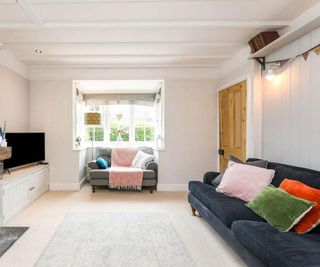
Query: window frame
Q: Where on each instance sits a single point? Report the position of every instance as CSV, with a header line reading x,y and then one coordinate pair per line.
x,y
106,125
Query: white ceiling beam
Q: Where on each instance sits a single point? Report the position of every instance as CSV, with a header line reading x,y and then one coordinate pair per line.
x,y
30,12
149,57
197,24
22,45
120,66
170,24
119,1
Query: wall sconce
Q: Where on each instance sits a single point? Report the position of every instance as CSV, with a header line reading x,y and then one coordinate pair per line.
x,y
272,71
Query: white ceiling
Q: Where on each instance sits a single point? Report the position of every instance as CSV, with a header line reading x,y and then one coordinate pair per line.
x,y
118,86
158,33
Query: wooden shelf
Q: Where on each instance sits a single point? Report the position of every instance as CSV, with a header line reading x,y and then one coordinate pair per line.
x,y
5,153
287,38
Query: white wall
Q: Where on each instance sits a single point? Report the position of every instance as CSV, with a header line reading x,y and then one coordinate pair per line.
x,y
291,107
51,112
190,132
14,100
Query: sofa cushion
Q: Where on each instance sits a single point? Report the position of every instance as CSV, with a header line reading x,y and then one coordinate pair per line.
x,y
93,165
298,189
146,149
102,163
244,181
226,208
104,174
275,248
233,159
105,153
283,172
279,208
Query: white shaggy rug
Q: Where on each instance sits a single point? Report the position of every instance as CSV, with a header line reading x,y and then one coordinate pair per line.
x,y
115,239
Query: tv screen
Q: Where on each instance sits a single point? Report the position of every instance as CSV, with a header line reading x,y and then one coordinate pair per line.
x,y
26,148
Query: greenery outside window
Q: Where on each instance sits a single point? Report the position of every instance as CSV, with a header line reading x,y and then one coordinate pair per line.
x,y
131,124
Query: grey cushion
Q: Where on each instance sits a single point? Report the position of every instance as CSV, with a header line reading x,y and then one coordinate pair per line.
x,y
93,165
105,182
146,149
256,163
104,151
216,181
104,174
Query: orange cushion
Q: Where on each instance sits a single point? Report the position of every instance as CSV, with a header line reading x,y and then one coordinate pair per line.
x,y
298,189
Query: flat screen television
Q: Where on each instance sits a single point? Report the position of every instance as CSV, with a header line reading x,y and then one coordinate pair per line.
x,y
27,148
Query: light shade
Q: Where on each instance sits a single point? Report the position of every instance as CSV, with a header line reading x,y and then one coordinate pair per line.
x,y
270,76
92,118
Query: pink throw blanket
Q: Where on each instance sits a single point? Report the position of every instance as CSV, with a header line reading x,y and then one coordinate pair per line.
x,y
121,175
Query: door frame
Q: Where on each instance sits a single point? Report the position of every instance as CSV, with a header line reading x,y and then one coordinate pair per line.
x,y
249,115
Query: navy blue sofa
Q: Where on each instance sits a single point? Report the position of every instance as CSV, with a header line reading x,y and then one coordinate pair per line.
x,y
253,239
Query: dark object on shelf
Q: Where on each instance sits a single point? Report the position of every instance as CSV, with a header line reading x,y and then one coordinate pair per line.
x,y
262,39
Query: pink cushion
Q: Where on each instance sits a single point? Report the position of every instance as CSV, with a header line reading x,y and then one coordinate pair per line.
x,y
244,181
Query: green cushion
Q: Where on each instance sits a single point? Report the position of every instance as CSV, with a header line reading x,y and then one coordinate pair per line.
x,y
279,208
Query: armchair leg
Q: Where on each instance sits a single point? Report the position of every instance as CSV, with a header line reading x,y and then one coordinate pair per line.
x,y
93,188
193,211
151,189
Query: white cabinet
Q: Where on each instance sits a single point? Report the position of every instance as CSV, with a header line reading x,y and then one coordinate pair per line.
x,y
39,183
16,196
21,188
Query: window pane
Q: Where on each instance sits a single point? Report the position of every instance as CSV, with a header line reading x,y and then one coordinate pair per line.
x,y
88,134
120,133
124,133
139,133
113,132
99,131
149,134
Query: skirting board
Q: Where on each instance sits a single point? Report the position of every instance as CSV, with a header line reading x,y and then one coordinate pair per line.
x,y
68,187
173,187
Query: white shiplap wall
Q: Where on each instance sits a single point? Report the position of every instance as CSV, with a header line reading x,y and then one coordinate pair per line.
x,y
291,107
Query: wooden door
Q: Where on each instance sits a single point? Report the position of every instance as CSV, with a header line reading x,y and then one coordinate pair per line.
x,y
232,122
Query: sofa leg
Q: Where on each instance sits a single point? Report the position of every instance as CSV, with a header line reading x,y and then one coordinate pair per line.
x,y
193,211
151,189
93,188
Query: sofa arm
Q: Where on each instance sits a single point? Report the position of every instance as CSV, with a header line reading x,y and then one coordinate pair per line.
x,y
152,166
93,165
208,177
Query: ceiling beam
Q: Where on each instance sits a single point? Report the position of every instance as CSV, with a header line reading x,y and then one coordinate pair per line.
x,y
149,57
22,45
170,24
120,66
30,12
197,24
61,2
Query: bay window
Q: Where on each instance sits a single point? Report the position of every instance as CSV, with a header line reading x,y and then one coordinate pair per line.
x,y
123,119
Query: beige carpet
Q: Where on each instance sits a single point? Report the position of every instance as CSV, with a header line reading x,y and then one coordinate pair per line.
x,y
45,215
116,239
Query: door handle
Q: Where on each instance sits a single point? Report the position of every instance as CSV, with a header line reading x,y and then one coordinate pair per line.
x,y
221,152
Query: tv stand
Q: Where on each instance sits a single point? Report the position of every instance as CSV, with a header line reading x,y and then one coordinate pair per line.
x,y
21,188
6,170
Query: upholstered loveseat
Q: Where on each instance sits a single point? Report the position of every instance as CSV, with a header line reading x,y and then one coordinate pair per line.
x,y
253,239
100,177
